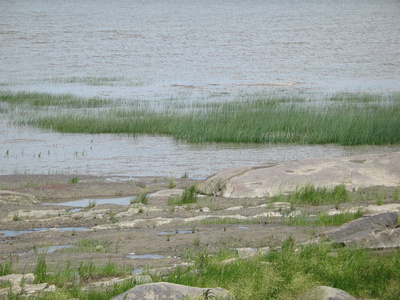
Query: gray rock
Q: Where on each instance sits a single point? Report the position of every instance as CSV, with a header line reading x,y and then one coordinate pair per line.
x,y
363,226
18,278
37,214
34,288
16,289
14,197
170,291
274,179
50,289
378,240
139,279
326,293
246,252
167,193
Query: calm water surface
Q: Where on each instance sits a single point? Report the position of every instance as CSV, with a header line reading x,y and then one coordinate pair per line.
x,y
158,49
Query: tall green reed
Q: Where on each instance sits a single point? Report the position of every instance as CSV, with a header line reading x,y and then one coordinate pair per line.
x,y
350,119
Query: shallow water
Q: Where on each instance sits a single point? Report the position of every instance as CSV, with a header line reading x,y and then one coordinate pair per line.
x,y
86,202
188,50
47,250
171,47
10,233
34,151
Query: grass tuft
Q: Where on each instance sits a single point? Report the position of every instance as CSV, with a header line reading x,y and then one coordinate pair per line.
x,y
6,267
311,195
188,196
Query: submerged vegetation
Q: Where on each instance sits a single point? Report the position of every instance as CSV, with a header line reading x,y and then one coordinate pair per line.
x,y
346,119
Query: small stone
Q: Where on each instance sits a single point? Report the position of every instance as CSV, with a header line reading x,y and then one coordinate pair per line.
x,y
50,289
16,289
245,252
99,248
34,288
264,250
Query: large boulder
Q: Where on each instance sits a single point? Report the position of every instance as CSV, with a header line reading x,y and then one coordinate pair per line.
x,y
326,293
170,291
274,179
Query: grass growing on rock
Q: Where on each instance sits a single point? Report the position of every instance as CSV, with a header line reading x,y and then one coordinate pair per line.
x,y
311,195
188,196
323,219
346,119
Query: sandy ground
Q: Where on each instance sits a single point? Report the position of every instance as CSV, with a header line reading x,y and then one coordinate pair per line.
x,y
110,227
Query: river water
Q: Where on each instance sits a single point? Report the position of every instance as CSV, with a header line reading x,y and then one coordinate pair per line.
x,y
156,49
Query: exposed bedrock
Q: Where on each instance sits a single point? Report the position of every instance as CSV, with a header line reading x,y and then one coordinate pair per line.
x,y
274,179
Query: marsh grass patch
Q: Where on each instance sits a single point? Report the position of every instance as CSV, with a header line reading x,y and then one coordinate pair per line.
x,y
354,119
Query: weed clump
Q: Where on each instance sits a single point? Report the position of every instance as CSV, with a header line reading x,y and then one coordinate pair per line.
x,y
6,267
311,195
74,180
188,196
141,198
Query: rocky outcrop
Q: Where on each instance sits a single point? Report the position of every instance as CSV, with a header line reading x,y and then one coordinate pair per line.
x,y
27,290
18,278
378,240
166,193
138,279
372,231
171,291
17,198
274,179
326,293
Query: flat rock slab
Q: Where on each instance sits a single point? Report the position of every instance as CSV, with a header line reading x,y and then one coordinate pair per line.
x,y
17,198
378,240
362,227
274,179
170,291
167,193
326,293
